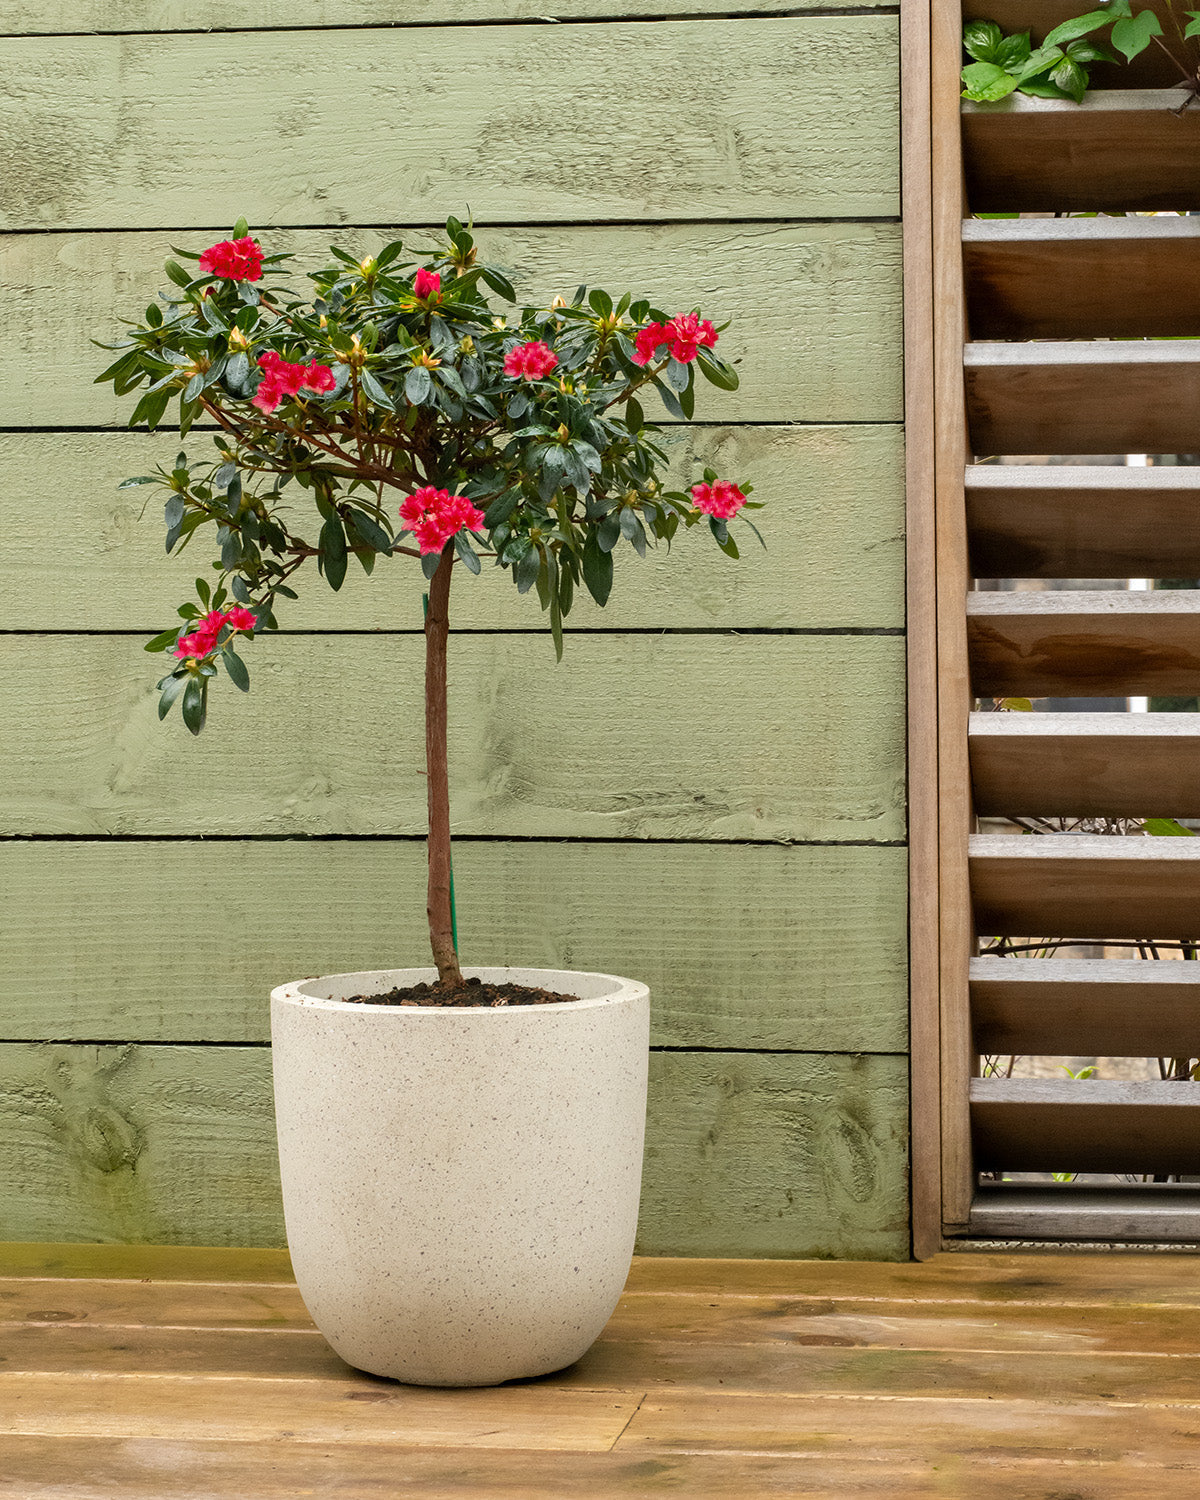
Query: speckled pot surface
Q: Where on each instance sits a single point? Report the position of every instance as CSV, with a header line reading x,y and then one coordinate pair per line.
x,y
460,1185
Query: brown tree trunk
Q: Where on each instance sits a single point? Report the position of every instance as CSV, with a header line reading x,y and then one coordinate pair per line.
x,y
437,630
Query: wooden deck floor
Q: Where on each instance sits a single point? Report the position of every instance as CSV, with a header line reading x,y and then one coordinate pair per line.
x,y
160,1374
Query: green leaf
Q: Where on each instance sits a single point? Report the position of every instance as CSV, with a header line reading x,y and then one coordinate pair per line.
x,y
1079,26
1037,62
1193,26
333,553
502,507
527,570
173,512
418,386
176,272
1131,37
1013,51
1071,78
162,641
1042,88
669,399
430,562
171,690
635,417
237,371
1167,828
986,82
370,531
195,703
462,545
236,668
128,484
716,371
498,283
1090,52
597,570
982,39
374,390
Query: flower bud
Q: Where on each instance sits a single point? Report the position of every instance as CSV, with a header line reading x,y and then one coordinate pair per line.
x,y
564,433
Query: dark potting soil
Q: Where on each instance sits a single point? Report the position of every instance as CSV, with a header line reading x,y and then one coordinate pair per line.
x,y
471,992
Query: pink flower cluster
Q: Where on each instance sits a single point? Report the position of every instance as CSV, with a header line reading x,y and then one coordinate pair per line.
x,y
281,379
204,637
236,260
685,334
532,361
434,516
426,284
721,499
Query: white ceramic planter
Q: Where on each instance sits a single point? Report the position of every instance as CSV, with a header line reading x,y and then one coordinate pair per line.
x,y
460,1186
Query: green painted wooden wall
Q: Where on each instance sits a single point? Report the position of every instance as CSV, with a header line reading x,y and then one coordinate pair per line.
x,y
708,793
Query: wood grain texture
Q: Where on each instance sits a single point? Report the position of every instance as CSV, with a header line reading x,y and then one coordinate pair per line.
x,y
815,307
765,1154
835,530
1085,1125
769,118
1085,1007
777,1156
1054,278
920,434
47,17
138,1143
956,934
1085,643
522,1417
184,1469
1083,521
812,957
1118,397
1157,1213
937,1430
215,1263
1086,885
622,740
1121,149
1086,765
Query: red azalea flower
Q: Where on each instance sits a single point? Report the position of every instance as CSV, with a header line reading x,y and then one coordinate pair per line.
x,y
721,499
282,379
241,619
647,340
235,260
433,516
532,361
426,284
687,334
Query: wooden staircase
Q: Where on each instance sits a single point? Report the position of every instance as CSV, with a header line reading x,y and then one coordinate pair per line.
x,y
1053,315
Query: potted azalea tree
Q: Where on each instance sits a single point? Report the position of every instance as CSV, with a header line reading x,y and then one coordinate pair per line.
x,y
460,1152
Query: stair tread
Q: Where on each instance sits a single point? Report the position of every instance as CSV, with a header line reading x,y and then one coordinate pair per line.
x,y
1036,974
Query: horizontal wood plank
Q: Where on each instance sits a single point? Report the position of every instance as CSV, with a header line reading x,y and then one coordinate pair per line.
x,y
770,1359
65,1261
1085,1125
814,962
675,736
938,1429
1054,278
1083,521
839,489
1103,397
1086,765
1085,643
825,350
1153,69
1085,885
1148,1212
523,1417
1121,149
171,1469
1084,1007
768,1154
50,17
780,118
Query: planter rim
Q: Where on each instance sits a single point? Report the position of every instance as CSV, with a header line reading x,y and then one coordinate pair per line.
x,y
616,989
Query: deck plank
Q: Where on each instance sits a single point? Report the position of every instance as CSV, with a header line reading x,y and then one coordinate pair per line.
x,y
999,1375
